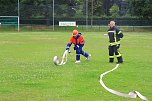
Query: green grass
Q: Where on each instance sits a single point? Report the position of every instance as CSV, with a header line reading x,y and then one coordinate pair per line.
x,y
27,72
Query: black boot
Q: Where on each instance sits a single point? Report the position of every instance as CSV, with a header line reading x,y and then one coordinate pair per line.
x,y
120,60
111,60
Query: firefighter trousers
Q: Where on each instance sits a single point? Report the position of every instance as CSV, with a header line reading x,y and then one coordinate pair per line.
x,y
114,49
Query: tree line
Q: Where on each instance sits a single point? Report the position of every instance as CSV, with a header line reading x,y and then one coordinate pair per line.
x,y
141,9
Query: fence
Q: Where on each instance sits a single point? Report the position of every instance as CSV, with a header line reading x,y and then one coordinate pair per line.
x,y
46,16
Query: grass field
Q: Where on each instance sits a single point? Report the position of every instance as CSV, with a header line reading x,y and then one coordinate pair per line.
x,y
27,72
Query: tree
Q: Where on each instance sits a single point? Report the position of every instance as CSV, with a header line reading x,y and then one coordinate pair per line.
x,y
141,8
8,7
114,10
107,4
97,7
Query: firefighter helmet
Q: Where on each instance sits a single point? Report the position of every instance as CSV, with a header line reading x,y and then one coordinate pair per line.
x,y
74,33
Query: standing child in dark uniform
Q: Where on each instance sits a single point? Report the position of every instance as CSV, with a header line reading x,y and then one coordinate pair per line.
x,y
78,41
114,39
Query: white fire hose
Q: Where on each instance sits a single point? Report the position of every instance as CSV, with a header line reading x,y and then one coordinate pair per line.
x,y
64,57
133,94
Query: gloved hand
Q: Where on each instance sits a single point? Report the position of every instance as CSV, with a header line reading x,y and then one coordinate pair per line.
x,y
67,48
69,51
77,46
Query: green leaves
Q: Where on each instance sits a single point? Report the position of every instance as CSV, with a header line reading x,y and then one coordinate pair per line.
x,y
142,8
114,11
